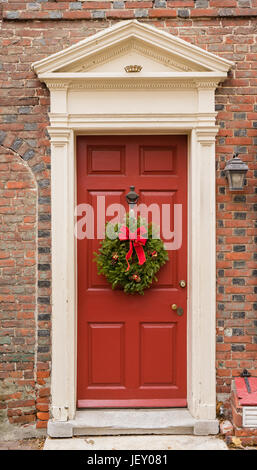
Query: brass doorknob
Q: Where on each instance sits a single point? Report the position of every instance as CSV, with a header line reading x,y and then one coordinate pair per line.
x,y
179,310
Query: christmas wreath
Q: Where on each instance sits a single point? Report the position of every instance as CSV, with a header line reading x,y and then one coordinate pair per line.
x,y
131,260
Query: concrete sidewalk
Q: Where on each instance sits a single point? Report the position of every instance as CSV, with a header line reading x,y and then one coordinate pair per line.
x,y
159,442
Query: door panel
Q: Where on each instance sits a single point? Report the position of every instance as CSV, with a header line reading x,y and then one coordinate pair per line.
x,y
151,374
100,372
106,160
157,160
132,349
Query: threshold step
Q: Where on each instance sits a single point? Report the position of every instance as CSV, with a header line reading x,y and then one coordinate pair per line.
x,y
133,421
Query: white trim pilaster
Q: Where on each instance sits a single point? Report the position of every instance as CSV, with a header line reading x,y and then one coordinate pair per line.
x,y
63,274
202,275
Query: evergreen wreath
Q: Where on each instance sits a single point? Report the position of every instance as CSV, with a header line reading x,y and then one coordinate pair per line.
x,y
129,263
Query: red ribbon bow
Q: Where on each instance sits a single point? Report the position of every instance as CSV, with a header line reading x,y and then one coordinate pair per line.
x,y
137,240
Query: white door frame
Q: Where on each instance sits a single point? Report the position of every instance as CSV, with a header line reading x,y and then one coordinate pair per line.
x,y
201,269
88,103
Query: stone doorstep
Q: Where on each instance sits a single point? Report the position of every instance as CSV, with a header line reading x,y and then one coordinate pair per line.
x,y
132,421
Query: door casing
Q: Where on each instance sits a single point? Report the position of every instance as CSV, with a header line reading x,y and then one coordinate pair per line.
x,y
201,269
116,104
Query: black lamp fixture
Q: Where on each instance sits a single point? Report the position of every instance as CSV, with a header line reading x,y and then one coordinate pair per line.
x,y
235,171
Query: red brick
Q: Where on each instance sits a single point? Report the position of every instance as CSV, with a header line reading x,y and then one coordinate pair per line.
x,y
97,5
73,15
24,419
180,3
44,392
140,4
223,3
20,403
42,407
41,424
17,184
43,416
128,14
160,13
53,6
201,12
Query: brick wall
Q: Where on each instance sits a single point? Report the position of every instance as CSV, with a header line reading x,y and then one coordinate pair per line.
x,y
17,290
33,30
127,9
21,320
24,236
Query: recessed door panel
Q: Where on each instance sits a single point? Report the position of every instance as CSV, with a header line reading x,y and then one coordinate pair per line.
x,y
157,354
99,200
157,160
106,364
106,159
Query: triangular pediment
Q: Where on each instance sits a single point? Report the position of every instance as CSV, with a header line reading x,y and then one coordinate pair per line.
x,y
131,43
114,59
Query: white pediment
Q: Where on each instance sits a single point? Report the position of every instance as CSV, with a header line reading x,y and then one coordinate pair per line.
x,y
131,43
114,59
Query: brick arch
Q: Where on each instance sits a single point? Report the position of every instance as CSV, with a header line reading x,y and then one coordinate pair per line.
x,y
23,396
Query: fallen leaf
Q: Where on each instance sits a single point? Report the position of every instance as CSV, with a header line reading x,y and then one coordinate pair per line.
x,y
236,442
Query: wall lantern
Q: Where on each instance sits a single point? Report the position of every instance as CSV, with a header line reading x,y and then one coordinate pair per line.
x,y
235,171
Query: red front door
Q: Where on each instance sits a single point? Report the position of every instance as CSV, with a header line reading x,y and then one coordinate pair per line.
x,y
131,348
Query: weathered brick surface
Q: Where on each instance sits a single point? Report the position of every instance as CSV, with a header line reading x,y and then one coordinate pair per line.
x,y
31,31
18,204
25,231
88,9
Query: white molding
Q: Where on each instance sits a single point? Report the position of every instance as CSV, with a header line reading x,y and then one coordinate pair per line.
x,y
63,274
109,37
88,103
74,76
154,82
125,47
201,270
64,78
